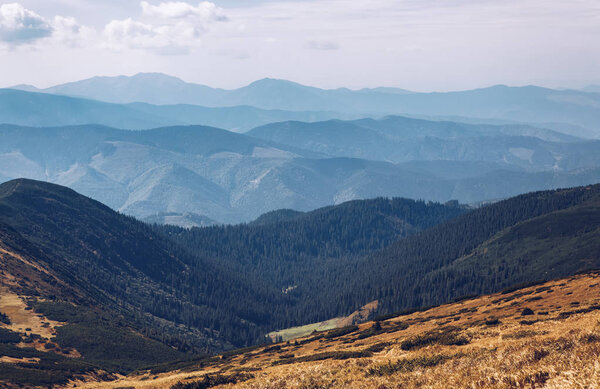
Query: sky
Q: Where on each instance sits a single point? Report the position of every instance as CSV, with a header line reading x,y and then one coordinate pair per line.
x,y
421,45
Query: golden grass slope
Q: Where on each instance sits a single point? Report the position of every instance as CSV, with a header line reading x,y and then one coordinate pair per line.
x,y
546,335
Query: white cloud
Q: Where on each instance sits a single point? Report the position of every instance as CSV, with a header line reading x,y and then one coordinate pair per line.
x,y
168,28
68,31
204,12
19,25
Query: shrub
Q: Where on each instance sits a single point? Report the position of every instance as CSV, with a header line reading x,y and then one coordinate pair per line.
x,y
492,321
209,381
528,322
447,336
373,330
526,312
406,365
272,348
538,354
8,336
4,318
340,332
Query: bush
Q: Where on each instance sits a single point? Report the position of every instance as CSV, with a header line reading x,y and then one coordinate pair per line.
x,y
8,336
447,336
407,365
4,318
492,321
340,332
526,312
374,330
209,381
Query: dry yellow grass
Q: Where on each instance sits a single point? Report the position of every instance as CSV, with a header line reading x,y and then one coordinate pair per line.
x,y
558,346
23,320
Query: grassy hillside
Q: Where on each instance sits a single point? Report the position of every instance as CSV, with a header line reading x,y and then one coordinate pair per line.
x,y
545,335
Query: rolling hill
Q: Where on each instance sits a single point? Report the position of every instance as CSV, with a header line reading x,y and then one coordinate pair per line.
x,y
399,139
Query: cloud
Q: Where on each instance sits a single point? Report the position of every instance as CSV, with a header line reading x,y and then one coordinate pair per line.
x,y
322,45
168,28
19,25
68,31
204,12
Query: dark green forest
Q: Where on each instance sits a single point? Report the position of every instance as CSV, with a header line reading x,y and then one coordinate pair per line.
x,y
216,288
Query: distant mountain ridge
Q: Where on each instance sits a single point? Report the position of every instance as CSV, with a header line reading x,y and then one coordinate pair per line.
x,y
29,107
529,104
231,178
400,139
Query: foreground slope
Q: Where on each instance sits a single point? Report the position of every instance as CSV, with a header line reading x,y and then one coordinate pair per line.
x,y
545,335
102,285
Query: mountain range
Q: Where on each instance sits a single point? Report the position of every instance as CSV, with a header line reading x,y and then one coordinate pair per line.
x,y
213,175
528,104
44,109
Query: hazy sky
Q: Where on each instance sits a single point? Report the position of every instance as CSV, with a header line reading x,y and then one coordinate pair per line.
x,y
415,44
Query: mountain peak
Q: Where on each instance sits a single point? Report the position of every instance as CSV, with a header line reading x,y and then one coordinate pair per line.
x,y
270,82
155,76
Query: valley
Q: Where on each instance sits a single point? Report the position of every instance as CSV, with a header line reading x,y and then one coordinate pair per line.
x,y
102,297
490,341
299,194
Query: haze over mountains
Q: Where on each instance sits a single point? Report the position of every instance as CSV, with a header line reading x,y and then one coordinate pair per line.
x,y
313,204
226,177
302,147
42,109
529,104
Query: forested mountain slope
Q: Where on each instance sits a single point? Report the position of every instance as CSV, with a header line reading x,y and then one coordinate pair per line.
x,y
425,268
219,287
286,252
212,297
121,263
531,237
